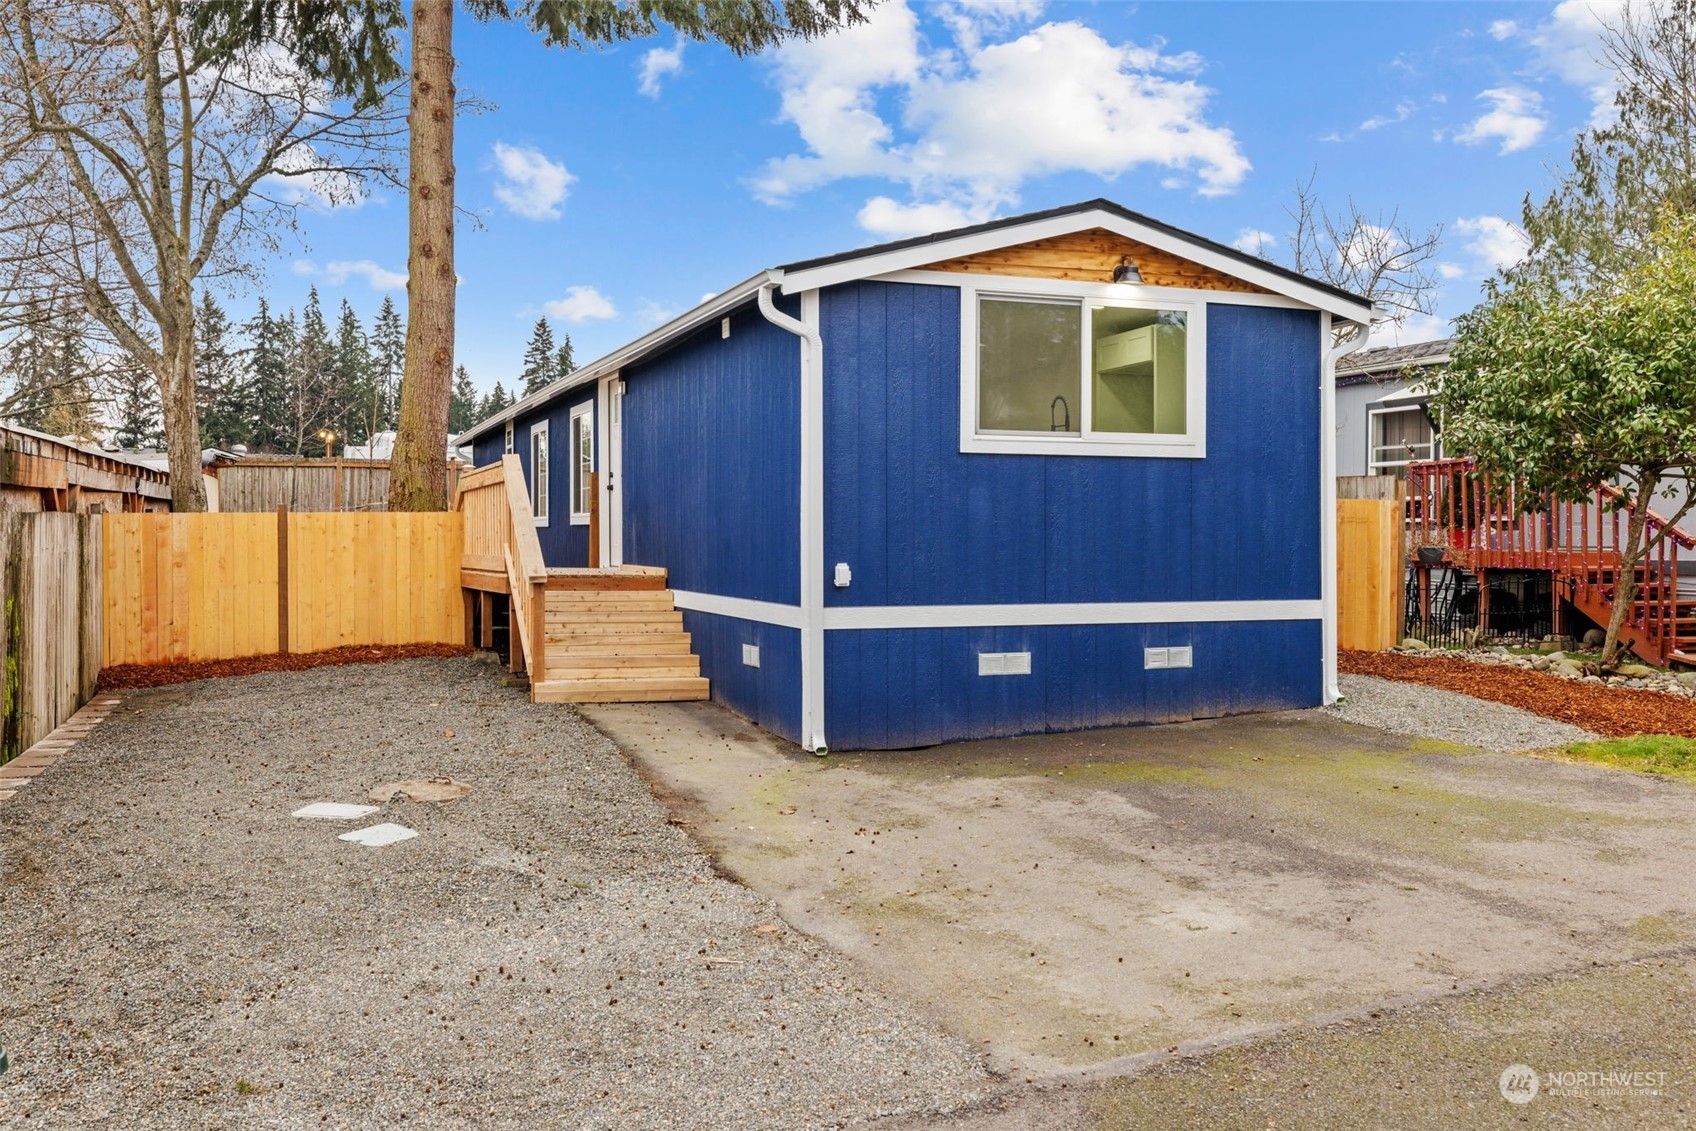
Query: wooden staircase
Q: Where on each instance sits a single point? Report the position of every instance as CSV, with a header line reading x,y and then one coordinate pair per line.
x,y
584,635
1479,528
615,637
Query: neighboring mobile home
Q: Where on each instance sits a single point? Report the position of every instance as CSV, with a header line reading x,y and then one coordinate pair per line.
x,y
1384,418
1063,470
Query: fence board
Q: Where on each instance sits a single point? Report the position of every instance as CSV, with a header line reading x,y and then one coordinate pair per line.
x,y
1369,573
50,622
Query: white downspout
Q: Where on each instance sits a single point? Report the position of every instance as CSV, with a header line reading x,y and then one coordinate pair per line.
x,y
812,505
1328,497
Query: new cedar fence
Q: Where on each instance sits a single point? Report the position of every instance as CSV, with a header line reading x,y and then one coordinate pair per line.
x,y
220,586
50,624
1370,562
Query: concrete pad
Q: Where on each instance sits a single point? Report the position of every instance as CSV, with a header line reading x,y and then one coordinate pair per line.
x,y
1079,902
18,768
333,811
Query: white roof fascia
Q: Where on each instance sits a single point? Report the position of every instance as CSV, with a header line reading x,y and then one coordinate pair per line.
x,y
715,307
908,258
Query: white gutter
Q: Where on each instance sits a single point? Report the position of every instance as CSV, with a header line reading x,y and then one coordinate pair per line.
x,y
1328,494
812,502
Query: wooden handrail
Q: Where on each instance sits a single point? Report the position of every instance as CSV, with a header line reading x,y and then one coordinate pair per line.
x,y
504,532
1655,521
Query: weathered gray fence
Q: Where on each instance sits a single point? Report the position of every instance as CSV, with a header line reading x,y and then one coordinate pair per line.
x,y
260,485
50,622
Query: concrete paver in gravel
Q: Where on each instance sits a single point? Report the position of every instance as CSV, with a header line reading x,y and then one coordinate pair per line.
x,y
178,951
1082,904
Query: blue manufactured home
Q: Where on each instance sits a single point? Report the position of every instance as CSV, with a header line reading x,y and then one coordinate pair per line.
x,y
1064,470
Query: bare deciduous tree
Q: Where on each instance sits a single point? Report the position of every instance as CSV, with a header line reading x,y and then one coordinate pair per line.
x,y
1379,257
132,169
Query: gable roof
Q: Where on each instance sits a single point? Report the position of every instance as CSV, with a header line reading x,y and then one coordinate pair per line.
x,y
1391,362
921,251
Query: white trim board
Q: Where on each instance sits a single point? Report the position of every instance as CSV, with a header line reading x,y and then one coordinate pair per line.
x,y
909,258
764,612
1106,612
1080,289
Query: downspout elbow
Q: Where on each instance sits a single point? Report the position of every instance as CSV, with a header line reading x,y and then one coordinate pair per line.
x,y
776,317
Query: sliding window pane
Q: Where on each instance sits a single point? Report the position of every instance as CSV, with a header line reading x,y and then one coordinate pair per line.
x,y
1139,370
1028,366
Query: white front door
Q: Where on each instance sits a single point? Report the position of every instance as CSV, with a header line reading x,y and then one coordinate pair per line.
x,y
611,414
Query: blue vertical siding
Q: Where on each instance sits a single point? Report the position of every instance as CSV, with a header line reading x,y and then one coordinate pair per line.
x,y
899,688
712,465
921,523
769,695
562,543
488,449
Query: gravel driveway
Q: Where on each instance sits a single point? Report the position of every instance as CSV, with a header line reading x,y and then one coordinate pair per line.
x,y
178,951
1427,712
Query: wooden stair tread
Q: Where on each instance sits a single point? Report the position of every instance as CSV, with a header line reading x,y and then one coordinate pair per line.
x,y
669,688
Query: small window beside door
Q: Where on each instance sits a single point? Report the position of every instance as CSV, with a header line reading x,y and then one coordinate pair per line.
x,y
582,461
539,472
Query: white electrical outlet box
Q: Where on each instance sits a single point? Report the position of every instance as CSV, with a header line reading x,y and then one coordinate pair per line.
x,y
844,575
724,327
1182,656
751,655
1004,663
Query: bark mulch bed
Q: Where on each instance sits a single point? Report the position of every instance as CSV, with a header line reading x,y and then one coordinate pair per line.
x,y
158,675
1611,711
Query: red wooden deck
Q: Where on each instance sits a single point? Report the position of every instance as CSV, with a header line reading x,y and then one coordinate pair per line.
x,y
1466,520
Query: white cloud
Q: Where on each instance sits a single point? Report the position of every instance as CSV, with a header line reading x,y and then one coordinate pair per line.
x,y
1450,270
1503,29
1569,44
656,64
963,127
1495,241
883,216
380,278
651,313
1414,328
1404,110
531,185
338,271
1255,242
1515,118
580,304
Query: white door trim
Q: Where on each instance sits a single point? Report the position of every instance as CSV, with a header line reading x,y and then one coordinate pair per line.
x,y
609,443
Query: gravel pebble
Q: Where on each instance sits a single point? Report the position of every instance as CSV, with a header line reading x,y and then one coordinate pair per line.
x,y
179,952
1427,712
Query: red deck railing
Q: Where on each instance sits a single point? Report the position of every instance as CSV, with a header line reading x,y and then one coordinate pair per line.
x,y
1457,517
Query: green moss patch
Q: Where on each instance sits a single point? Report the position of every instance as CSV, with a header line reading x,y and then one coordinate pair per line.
x,y
1646,753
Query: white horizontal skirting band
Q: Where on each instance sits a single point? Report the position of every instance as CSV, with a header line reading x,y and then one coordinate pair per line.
x,y
996,616
766,612
1107,612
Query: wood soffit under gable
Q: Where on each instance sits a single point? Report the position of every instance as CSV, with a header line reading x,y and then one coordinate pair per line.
x,y
1091,257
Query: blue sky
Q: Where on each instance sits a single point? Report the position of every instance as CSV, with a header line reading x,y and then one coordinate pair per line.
x,y
617,188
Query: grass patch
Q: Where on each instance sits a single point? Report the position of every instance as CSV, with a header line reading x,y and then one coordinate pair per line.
x,y
1647,753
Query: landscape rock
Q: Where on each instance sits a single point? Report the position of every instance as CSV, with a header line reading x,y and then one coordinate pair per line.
x,y
1412,644
1595,638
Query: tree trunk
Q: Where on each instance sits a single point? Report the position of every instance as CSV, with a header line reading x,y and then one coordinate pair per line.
x,y
1625,585
181,412
419,473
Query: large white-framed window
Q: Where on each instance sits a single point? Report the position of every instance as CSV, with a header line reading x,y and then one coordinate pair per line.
x,y
1064,368
539,471
582,461
1399,436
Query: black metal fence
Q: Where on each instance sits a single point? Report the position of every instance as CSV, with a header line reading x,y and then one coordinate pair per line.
x,y
1520,609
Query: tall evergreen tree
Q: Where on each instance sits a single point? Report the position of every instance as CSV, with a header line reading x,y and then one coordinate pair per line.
x,y
462,413
388,363
311,379
55,384
226,411
140,419
540,360
565,361
353,388
270,345
497,400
